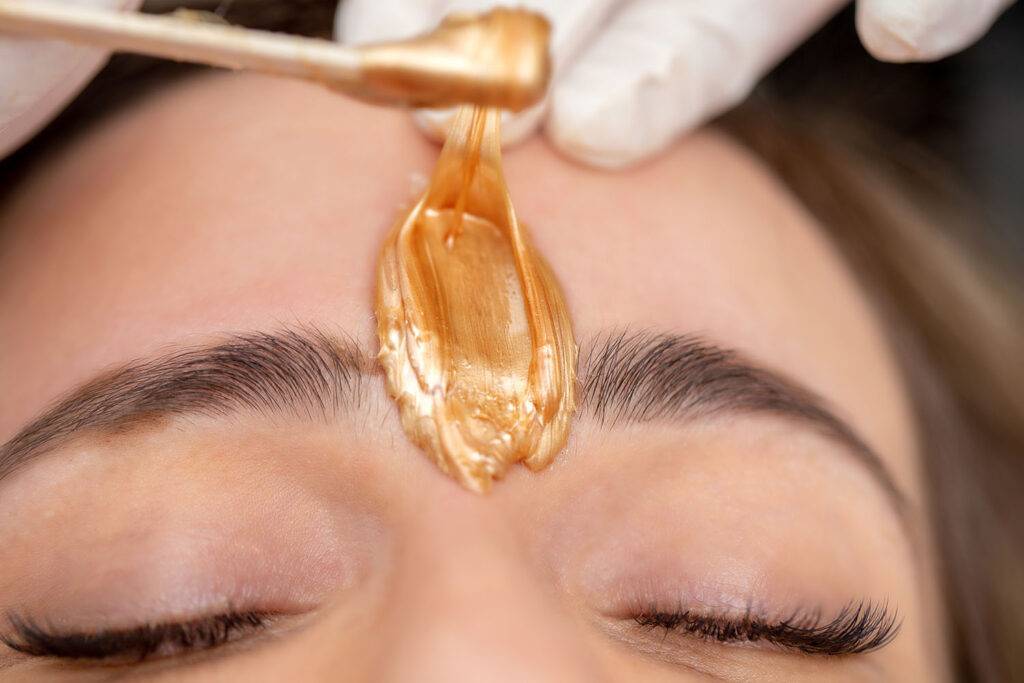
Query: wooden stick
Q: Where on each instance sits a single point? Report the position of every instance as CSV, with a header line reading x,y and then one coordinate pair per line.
x,y
429,70
181,40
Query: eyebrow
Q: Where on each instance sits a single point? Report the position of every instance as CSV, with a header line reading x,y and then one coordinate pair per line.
x,y
625,378
305,373
644,377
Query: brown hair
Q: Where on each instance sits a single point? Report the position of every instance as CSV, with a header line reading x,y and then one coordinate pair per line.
x,y
954,314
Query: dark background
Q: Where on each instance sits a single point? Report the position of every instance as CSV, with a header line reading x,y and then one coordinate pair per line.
x,y
966,110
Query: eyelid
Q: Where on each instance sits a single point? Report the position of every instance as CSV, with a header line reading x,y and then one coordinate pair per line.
x,y
858,628
134,644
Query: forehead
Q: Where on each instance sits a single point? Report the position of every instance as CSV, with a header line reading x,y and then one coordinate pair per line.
x,y
231,203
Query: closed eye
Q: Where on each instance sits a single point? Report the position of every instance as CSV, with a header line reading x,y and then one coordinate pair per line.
x,y
857,629
134,644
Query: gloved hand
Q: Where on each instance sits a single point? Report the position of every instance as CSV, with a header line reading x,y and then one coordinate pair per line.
x,y
38,79
631,75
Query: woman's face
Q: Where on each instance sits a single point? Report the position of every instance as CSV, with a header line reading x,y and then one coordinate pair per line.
x,y
220,239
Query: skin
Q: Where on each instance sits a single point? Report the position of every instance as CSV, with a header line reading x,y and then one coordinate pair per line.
x,y
234,203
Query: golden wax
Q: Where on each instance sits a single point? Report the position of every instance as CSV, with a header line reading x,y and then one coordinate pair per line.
x,y
499,58
475,338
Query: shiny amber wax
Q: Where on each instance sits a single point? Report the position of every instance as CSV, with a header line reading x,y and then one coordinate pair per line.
x,y
475,338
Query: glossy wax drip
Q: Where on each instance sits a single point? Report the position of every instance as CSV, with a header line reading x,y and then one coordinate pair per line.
x,y
475,337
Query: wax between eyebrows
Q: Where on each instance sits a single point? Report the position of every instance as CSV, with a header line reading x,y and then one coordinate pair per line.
x,y
475,337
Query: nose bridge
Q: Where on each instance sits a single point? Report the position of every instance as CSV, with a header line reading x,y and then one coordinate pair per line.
x,y
467,604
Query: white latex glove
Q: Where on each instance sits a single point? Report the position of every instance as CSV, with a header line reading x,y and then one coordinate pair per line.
x,y
631,75
39,78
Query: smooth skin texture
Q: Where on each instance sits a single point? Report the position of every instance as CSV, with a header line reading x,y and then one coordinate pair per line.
x,y
231,204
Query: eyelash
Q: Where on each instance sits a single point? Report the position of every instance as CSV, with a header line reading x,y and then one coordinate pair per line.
x,y
857,629
133,644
